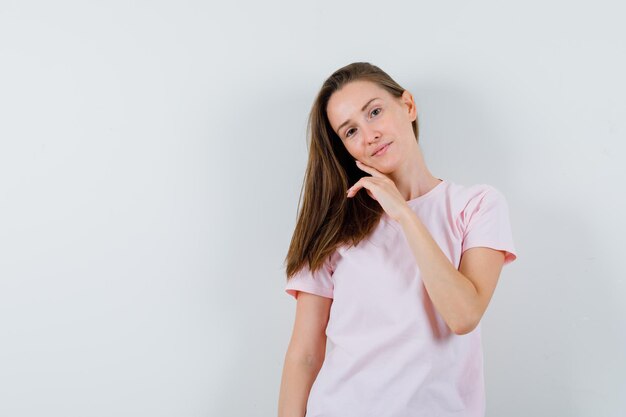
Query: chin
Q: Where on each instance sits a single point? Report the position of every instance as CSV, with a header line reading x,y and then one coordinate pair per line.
x,y
386,165
385,169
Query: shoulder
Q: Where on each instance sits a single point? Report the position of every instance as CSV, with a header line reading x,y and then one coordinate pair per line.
x,y
464,195
465,202
462,190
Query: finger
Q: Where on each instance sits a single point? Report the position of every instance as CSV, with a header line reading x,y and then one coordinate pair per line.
x,y
370,194
356,187
370,170
353,190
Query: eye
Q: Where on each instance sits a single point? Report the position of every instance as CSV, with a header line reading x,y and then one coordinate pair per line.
x,y
372,112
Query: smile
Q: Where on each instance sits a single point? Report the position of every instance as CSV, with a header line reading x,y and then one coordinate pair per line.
x,y
382,150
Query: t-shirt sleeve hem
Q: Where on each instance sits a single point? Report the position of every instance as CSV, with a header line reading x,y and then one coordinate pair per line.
x,y
323,292
509,252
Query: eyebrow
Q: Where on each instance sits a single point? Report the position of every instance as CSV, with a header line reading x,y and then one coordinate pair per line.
x,y
362,110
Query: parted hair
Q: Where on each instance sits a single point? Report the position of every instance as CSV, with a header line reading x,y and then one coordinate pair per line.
x,y
326,217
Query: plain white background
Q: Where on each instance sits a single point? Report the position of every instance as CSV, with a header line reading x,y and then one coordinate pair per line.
x,y
151,159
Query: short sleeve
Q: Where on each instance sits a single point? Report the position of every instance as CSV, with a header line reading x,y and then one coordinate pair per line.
x,y
318,283
487,223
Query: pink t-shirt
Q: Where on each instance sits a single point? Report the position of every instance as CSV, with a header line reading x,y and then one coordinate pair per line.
x,y
389,352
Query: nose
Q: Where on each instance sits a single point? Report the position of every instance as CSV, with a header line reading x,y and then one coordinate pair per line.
x,y
370,134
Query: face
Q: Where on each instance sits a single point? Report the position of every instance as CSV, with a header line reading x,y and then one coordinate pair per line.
x,y
366,117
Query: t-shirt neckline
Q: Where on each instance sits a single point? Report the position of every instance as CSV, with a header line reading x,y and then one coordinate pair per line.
x,y
428,194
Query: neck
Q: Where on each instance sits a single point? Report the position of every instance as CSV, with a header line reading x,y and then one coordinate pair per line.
x,y
413,179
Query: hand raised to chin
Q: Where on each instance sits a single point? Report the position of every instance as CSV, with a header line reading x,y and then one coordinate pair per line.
x,y
382,189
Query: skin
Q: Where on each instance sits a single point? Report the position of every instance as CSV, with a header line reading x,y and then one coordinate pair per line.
x,y
460,296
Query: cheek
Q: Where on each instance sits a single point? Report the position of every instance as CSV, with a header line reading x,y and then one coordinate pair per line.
x,y
389,123
354,151
398,126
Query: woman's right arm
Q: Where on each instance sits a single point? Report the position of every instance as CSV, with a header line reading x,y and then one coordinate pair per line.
x,y
305,354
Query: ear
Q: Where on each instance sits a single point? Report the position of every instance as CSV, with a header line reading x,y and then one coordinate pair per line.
x,y
407,99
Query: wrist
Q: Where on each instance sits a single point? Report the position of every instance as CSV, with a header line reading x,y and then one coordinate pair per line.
x,y
406,216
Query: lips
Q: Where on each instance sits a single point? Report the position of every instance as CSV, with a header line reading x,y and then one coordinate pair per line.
x,y
379,148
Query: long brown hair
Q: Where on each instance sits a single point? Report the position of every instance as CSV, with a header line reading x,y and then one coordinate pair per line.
x,y
328,218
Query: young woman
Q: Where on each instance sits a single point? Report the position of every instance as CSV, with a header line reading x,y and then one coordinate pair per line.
x,y
392,268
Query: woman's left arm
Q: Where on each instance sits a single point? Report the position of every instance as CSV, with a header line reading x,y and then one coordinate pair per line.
x,y
460,296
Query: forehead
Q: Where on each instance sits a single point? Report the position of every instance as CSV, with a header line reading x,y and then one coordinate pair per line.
x,y
346,103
